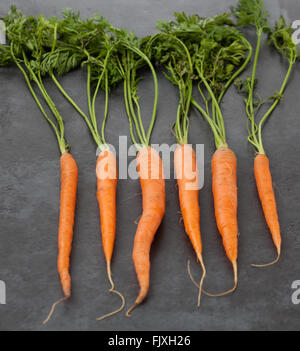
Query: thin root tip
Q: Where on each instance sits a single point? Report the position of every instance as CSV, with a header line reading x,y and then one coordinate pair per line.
x,y
234,264
267,264
200,285
128,313
53,308
116,311
112,290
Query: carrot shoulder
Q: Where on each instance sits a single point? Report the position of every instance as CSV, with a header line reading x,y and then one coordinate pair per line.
x,y
150,171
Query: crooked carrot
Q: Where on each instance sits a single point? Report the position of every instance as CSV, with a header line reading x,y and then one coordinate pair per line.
x,y
149,164
152,182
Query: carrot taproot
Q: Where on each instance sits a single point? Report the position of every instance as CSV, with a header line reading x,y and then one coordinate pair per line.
x,y
266,194
69,180
187,179
150,169
106,171
224,187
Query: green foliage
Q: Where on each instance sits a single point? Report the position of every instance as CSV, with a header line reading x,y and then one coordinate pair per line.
x,y
28,34
206,51
252,13
77,42
5,55
215,47
29,39
281,38
130,56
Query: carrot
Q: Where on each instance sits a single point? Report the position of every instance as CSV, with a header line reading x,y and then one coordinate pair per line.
x,y
150,171
224,186
69,180
187,180
280,37
106,171
26,58
267,198
106,196
131,58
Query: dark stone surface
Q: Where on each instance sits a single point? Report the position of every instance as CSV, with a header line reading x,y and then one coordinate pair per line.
x,y
29,188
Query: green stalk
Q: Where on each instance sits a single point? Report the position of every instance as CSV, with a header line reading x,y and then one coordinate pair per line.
x,y
178,132
220,121
272,108
88,89
219,142
137,121
77,108
250,97
129,116
238,72
129,98
105,108
60,138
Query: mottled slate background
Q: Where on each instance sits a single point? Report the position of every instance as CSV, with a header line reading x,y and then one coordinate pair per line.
x,y
29,188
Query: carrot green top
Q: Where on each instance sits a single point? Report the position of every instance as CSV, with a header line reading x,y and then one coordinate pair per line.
x,y
253,13
171,52
28,39
207,51
77,42
130,58
5,56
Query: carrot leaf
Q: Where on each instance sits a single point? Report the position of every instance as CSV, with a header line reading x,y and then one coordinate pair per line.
x,y
208,52
253,13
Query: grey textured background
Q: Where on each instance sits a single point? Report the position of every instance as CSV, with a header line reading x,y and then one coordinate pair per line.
x,y
29,188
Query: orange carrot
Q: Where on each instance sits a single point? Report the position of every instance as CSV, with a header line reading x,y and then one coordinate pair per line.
x,y
187,180
224,186
267,197
150,170
69,180
106,171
